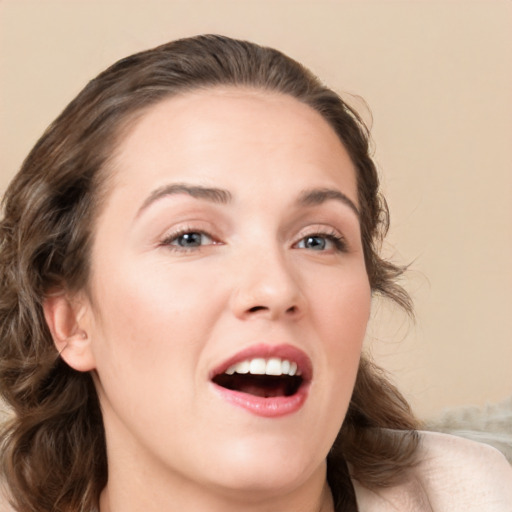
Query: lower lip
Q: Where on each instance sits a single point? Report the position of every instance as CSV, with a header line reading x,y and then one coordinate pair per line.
x,y
271,407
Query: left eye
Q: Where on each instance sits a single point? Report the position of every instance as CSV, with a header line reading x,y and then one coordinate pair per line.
x,y
321,242
189,240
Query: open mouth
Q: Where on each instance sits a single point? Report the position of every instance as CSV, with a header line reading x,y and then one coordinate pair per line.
x,y
266,378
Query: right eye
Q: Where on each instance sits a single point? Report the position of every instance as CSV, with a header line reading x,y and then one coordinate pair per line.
x,y
187,240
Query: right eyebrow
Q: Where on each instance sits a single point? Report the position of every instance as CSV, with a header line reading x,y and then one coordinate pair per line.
x,y
214,195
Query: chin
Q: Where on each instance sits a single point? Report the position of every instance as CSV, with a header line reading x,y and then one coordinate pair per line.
x,y
263,468
264,481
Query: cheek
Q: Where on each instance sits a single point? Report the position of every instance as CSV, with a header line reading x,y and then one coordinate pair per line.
x,y
341,317
342,304
147,344
149,319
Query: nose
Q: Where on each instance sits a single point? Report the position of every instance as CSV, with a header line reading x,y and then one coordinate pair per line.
x,y
267,286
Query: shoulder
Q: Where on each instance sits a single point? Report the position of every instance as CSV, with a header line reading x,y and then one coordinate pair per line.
x,y
463,474
452,475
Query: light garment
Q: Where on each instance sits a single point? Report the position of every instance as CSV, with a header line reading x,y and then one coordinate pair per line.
x,y
453,475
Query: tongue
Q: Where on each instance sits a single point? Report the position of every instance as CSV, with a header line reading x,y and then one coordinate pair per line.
x,y
274,387
260,385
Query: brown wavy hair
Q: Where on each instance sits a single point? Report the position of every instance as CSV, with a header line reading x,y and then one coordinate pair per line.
x,y
53,452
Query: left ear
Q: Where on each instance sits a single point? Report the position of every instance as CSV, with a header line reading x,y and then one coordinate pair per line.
x,y
63,316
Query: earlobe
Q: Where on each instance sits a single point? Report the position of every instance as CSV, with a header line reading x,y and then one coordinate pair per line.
x,y
70,338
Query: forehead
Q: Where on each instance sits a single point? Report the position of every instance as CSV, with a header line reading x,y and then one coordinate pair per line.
x,y
225,133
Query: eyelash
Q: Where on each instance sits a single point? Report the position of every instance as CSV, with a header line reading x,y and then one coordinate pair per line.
x,y
339,242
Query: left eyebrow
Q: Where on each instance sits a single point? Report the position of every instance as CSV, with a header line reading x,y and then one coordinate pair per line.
x,y
318,196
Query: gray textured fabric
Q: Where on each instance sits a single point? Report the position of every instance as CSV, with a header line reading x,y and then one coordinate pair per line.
x,y
491,424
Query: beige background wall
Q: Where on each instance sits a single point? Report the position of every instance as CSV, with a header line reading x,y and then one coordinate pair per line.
x,y
438,79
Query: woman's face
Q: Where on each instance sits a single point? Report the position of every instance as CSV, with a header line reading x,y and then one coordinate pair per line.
x,y
229,246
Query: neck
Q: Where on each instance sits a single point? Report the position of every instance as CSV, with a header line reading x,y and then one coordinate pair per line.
x,y
113,502
130,491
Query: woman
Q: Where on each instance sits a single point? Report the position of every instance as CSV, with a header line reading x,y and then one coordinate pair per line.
x,y
188,259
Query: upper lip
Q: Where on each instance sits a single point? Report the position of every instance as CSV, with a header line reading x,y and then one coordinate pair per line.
x,y
265,351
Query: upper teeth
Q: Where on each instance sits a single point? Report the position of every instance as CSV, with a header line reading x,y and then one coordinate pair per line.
x,y
260,366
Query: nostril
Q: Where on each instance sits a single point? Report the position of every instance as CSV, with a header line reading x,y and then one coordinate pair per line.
x,y
257,308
